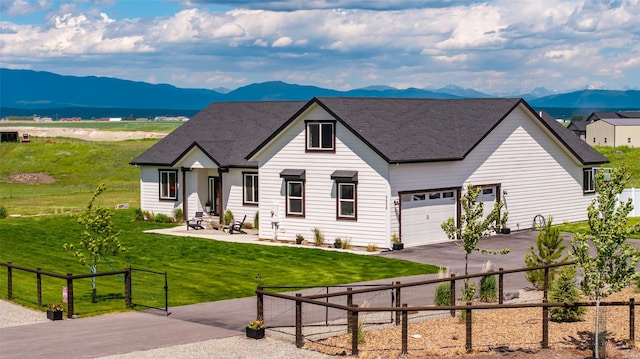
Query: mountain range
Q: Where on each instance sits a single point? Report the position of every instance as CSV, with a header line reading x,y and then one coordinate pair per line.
x,y
24,92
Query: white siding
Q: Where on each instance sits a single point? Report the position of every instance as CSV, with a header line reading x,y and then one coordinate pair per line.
x,y
233,195
287,151
539,176
150,192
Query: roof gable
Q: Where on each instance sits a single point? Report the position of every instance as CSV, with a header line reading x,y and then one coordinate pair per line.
x,y
224,131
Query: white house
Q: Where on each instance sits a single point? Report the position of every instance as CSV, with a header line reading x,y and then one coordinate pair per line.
x,y
365,168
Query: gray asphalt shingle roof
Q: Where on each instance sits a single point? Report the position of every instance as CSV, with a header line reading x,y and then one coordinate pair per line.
x,y
399,130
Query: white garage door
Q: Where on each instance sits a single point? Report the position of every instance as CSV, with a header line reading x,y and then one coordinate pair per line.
x,y
488,197
423,214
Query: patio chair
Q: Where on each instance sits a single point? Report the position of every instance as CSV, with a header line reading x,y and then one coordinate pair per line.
x,y
195,222
236,226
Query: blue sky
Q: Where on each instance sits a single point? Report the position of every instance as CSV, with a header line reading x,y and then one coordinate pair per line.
x,y
498,47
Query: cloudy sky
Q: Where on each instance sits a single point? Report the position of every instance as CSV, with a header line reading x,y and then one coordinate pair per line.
x,y
498,47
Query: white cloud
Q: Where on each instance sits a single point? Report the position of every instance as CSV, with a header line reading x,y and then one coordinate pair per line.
x,y
489,46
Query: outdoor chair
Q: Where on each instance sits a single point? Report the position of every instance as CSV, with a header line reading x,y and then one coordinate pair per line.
x,y
195,222
236,226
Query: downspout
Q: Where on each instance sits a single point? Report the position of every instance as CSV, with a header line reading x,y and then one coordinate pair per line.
x,y
184,192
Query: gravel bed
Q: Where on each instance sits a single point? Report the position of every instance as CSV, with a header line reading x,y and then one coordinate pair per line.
x,y
12,315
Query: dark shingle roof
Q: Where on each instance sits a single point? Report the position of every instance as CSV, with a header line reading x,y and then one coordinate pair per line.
x,y
595,116
399,130
226,131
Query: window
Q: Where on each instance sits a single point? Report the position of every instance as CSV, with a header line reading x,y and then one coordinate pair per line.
x,y
250,188
419,197
295,198
605,140
347,200
589,180
169,184
594,140
320,136
447,194
434,195
628,139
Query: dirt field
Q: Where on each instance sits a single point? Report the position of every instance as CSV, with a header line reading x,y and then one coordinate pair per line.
x,y
88,134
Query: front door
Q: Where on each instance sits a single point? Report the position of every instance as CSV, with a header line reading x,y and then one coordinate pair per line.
x,y
213,196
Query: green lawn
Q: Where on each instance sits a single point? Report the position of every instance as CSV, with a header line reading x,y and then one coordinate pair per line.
x,y
199,270
627,155
583,227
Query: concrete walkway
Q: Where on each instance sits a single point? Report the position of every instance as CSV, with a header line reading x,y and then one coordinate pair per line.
x,y
133,331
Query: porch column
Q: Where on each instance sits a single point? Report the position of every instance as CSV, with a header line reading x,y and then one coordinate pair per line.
x,y
184,192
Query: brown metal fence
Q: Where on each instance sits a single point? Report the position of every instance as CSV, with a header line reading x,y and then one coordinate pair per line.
x,y
402,310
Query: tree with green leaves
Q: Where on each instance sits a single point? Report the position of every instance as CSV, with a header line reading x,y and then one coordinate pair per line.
x,y
549,249
98,237
607,259
473,226
563,290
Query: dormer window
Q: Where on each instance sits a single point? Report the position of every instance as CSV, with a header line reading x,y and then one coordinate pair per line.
x,y
321,135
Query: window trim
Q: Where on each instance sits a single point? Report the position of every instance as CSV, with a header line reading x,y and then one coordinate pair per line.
x,y
320,148
589,184
161,184
256,193
287,197
340,200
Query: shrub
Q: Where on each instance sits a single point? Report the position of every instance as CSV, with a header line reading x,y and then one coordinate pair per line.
x,y
443,289
549,250
318,237
3,212
247,225
346,243
256,220
372,248
563,290
177,215
228,217
162,218
138,214
488,290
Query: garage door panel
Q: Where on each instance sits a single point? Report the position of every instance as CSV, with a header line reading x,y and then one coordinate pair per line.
x,y
423,215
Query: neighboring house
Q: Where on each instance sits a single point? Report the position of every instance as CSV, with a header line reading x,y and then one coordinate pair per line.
x,y
362,168
614,132
579,128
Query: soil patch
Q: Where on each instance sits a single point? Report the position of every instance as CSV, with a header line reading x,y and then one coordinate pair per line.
x,y
500,333
32,178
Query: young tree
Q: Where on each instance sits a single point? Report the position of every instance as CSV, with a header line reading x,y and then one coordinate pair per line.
x,y
549,250
97,239
563,290
612,265
473,227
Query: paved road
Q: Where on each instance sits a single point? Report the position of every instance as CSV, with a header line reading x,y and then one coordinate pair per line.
x,y
131,331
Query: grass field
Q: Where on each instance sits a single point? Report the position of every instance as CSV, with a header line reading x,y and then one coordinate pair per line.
x,y
198,270
627,155
149,126
583,227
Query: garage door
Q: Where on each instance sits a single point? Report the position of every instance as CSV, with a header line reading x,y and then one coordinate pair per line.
x,y
488,197
423,214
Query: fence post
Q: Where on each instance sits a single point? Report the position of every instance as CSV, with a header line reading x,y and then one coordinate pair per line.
x,y
453,294
632,325
70,309
349,303
127,288
468,345
500,286
299,342
405,329
545,325
9,282
354,329
39,286
166,293
260,304
398,319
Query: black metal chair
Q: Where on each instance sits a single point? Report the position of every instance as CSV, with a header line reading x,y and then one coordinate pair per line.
x,y
236,226
195,222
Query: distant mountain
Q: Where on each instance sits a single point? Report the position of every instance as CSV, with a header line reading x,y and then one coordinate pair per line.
x,y
48,94
38,89
591,98
462,92
535,93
